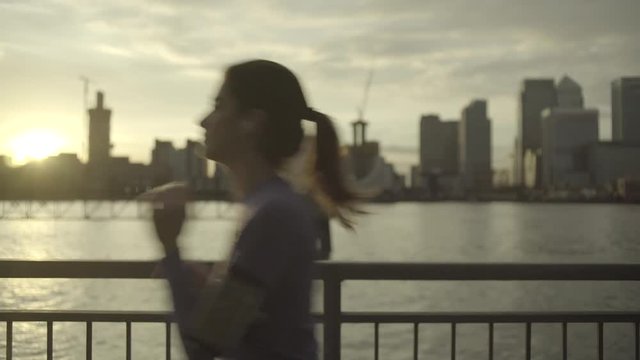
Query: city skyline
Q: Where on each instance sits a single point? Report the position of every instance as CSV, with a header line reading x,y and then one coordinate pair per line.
x,y
97,103
161,72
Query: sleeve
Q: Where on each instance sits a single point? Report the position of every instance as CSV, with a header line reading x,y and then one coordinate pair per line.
x,y
267,244
184,295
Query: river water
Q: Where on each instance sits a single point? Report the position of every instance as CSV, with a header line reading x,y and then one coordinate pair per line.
x,y
414,232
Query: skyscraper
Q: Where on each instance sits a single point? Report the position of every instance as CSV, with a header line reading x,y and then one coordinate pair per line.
x,y
99,132
536,95
438,145
567,133
625,110
196,165
163,160
569,94
475,146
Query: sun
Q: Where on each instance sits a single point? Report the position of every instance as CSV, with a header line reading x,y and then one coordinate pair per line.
x,y
35,145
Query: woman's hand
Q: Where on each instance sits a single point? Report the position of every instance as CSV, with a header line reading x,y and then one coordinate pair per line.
x,y
168,212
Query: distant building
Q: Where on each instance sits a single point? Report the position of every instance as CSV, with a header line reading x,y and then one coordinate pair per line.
x,y
99,132
162,159
118,176
417,179
532,167
99,149
171,164
4,176
612,161
362,153
566,134
502,178
475,147
128,179
366,169
438,146
535,96
56,177
195,165
569,94
625,110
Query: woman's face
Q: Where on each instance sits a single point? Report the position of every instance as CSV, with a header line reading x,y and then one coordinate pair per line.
x,y
224,135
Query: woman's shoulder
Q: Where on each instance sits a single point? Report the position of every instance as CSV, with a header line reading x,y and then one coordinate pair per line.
x,y
287,203
278,195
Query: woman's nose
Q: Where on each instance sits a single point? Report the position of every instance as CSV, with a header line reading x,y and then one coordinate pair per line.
x,y
205,122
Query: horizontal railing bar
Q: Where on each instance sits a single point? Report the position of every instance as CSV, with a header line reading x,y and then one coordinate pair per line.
x,y
343,271
77,269
345,317
489,317
84,316
478,271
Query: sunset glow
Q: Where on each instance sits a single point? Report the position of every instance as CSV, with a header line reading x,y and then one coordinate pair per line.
x,y
35,145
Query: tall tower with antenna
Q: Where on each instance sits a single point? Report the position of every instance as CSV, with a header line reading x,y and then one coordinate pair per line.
x,y
99,132
363,153
99,155
360,125
84,153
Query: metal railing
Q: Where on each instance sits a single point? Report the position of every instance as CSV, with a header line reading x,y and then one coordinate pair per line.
x,y
127,209
333,274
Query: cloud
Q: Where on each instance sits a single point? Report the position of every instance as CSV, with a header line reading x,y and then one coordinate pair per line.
x,y
428,55
113,50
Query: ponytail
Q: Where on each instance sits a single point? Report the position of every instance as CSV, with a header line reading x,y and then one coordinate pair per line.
x,y
330,188
274,89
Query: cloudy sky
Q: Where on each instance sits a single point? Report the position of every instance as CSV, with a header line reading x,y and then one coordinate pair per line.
x,y
160,61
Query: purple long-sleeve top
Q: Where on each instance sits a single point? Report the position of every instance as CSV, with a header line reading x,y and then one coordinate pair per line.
x,y
275,247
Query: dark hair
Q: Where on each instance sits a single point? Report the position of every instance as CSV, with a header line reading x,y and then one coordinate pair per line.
x,y
274,89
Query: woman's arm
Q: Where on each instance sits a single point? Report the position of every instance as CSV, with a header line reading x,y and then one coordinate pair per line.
x,y
184,293
213,315
168,222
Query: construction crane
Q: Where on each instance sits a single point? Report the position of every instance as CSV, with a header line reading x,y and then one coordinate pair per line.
x,y
85,108
365,97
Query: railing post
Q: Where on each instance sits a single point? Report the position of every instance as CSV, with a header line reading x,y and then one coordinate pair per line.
x,y
167,340
9,349
376,342
564,341
637,341
89,342
332,318
601,340
528,341
453,341
416,328
128,340
490,341
49,340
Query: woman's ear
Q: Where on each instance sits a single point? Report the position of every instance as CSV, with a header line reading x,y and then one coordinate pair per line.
x,y
254,121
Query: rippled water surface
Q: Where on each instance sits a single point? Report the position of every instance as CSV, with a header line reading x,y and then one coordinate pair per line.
x,y
439,232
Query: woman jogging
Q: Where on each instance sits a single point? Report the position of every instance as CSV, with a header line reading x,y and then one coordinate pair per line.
x,y
257,306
